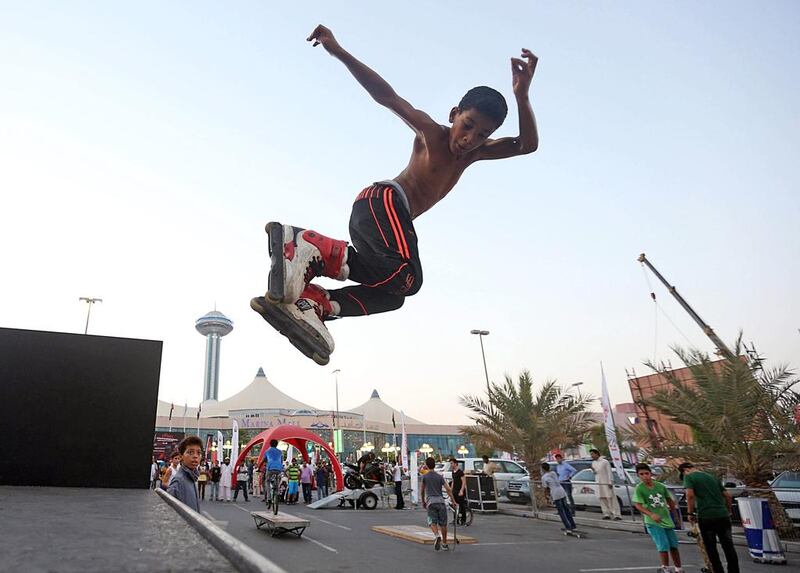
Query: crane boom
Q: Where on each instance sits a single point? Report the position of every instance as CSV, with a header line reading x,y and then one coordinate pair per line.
x,y
724,350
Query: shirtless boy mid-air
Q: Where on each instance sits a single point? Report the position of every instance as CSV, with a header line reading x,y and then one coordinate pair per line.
x,y
383,256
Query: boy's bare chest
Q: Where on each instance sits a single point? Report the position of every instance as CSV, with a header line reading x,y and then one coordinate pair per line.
x,y
430,175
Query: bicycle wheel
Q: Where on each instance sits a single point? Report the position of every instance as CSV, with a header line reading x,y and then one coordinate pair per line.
x,y
274,496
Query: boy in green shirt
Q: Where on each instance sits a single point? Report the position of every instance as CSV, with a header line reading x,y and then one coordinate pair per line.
x,y
654,502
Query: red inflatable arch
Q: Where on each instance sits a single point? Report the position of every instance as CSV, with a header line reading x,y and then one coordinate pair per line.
x,y
294,436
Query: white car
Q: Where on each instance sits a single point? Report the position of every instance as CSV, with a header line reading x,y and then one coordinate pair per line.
x,y
507,470
584,489
787,489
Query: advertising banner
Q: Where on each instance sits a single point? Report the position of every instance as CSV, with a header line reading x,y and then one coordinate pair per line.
x,y
164,443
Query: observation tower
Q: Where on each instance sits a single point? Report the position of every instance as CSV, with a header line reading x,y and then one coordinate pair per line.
x,y
213,326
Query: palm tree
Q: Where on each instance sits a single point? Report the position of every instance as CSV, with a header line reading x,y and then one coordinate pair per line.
x,y
513,418
741,420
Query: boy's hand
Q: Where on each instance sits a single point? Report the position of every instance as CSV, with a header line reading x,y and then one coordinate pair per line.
x,y
522,72
322,35
655,517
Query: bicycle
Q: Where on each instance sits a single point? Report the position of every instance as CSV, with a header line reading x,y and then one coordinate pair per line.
x,y
274,490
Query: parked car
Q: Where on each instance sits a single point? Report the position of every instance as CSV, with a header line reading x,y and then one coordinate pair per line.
x,y
787,489
519,489
507,470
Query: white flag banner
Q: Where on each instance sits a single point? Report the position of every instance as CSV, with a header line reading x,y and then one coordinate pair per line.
x,y
414,472
235,443
611,434
404,441
220,453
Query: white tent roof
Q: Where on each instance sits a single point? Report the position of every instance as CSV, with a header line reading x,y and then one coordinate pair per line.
x,y
260,394
377,410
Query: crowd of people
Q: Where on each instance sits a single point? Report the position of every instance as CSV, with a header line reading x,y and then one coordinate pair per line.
x,y
709,504
250,479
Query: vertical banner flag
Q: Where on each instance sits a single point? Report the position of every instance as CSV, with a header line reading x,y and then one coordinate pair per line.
x,y
404,440
219,455
185,409
199,408
235,443
611,434
414,479
171,408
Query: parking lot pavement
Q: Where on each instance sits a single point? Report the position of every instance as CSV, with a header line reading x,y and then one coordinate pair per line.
x,y
341,540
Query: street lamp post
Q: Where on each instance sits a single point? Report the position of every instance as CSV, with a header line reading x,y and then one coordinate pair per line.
x,y
90,301
336,374
481,334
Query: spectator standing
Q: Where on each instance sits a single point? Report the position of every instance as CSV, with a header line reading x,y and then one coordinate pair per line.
x,y
257,480
174,463
709,504
241,482
306,477
293,475
225,479
604,477
155,472
322,481
559,496
183,484
201,481
397,477
565,472
459,486
489,468
214,475
250,471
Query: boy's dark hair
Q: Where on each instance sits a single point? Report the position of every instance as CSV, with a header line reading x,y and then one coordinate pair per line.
x,y
642,466
189,441
452,459
273,443
486,100
559,456
486,459
546,466
430,462
595,451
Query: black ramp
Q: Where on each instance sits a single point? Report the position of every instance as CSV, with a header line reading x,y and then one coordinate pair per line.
x,y
77,410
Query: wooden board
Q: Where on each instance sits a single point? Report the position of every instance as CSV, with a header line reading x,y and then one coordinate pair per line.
x,y
419,534
279,524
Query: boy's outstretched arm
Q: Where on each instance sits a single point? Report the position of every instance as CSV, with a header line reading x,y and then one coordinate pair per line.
x,y
528,139
375,85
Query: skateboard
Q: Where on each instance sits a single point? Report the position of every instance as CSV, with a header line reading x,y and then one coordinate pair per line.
x,y
701,546
575,533
280,317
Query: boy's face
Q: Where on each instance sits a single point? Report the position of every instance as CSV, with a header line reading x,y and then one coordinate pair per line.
x,y
470,130
645,476
191,457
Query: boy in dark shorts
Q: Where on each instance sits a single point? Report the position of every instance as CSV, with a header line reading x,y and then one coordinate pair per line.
x,y
433,501
383,257
654,502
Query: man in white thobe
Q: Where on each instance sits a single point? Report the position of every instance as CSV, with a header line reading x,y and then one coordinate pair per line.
x,y
604,478
226,471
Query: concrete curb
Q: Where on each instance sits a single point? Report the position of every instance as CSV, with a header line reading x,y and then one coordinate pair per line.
x,y
242,557
628,526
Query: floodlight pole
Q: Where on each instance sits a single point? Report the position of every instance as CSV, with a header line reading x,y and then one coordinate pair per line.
x,y
90,301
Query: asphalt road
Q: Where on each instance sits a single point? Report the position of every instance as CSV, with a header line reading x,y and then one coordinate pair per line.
x,y
341,540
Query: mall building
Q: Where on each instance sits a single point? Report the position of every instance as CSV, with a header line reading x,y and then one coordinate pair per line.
x,y
261,405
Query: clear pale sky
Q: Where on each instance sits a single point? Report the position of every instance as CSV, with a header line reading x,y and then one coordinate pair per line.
x,y
143,146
